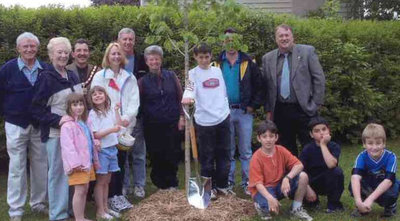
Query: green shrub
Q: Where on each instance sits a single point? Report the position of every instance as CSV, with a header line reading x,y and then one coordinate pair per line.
x,y
361,59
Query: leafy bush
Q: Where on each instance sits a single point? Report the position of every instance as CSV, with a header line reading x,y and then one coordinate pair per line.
x,y
361,59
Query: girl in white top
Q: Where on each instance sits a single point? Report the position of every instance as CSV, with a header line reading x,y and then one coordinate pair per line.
x,y
106,123
122,88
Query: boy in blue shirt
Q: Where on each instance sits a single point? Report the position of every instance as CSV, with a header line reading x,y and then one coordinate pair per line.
x,y
321,163
374,174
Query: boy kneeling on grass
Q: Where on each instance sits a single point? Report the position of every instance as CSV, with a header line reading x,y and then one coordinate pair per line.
x,y
274,174
320,159
374,174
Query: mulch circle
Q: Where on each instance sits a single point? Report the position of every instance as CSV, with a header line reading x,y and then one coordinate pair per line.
x,y
173,205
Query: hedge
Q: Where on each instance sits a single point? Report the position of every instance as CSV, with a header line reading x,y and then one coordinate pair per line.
x,y
361,59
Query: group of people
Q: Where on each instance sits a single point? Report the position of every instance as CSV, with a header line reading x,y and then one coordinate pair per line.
x,y
69,119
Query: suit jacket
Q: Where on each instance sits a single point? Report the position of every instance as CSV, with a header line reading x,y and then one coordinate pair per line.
x,y
307,78
83,79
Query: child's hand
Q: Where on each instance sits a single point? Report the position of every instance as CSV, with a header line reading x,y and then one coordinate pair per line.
x,y
311,196
116,128
97,144
285,187
362,208
125,123
273,205
187,101
117,106
325,139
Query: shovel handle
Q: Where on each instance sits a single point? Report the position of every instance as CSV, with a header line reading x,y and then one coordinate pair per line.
x,y
193,141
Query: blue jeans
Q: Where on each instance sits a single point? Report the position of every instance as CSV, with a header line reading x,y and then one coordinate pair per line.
x,y
136,159
277,193
57,181
241,125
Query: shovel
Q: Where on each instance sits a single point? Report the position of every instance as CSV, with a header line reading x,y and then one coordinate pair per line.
x,y
199,188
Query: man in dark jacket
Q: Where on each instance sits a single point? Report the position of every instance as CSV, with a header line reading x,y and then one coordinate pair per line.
x,y
243,83
17,78
137,66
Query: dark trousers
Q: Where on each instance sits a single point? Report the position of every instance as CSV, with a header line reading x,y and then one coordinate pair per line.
x,y
115,187
164,149
214,152
292,123
331,184
387,199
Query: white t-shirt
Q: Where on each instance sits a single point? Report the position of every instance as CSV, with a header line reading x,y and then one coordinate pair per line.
x,y
101,122
207,88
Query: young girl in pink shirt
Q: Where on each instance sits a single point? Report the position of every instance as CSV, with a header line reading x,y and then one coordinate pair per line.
x,y
78,151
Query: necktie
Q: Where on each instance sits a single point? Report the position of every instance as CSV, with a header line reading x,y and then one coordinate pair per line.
x,y
285,79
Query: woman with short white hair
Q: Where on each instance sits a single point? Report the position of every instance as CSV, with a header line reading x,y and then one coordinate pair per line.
x,y
48,106
160,96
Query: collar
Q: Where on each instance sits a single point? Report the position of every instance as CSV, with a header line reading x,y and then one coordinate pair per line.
x,y
109,74
289,52
238,60
21,64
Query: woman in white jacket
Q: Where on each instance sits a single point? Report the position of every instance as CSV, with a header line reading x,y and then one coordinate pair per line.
x,y
122,89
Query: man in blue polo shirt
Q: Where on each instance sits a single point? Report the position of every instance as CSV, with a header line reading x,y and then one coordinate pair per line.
x,y
17,78
245,95
137,158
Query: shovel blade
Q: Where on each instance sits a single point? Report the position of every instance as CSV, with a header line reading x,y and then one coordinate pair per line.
x,y
199,192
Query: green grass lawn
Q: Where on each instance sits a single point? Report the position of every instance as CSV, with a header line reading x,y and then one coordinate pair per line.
x,y
349,152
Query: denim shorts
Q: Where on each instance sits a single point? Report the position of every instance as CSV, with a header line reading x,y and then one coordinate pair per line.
x,y
277,193
108,160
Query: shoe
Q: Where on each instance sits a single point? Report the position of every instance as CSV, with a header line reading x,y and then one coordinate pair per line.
x,y
231,185
390,211
105,216
40,208
263,215
115,204
139,191
213,194
246,190
127,191
15,218
113,213
336,209
301,213
357,213
172,188
125,203
312,205
226,191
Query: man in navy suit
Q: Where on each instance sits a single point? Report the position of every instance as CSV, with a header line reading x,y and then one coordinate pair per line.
x,y
17,78
295,87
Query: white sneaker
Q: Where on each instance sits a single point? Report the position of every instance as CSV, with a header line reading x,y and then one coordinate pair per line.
x,y
214,194
16,218
125,203
105,216
263,215
113,213
301,214
226,191
139,191
115,204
